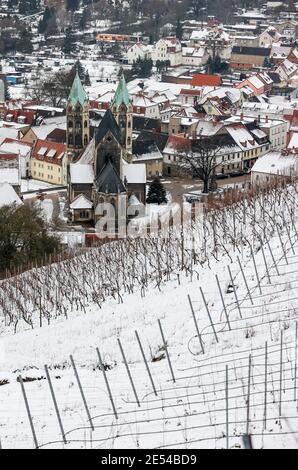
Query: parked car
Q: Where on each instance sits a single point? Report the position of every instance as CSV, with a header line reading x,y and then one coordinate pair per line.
x,y
221,176
235,173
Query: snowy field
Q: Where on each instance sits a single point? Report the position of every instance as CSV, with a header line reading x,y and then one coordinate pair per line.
x,y
234,369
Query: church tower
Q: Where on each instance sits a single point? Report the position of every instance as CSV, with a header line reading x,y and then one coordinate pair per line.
x,y
122,109
77,115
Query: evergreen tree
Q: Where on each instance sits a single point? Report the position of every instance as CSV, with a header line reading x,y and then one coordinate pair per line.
x,y
72,4
142,68
69,42
156,193
216,65
87,81
83,74
24,43
84,19
26,7
179,30
267,62
80,69
23,7
6,89
48,21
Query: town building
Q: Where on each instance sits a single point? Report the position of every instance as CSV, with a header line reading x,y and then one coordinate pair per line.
x,y
49,162
104,173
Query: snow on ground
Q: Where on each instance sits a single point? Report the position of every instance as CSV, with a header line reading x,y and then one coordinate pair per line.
x,y
190,412
34,185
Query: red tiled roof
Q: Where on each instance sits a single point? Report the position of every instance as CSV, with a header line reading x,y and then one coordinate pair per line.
x,y
8,156
200,79
58,151
9,140
57,135
29,116
178,143
190,92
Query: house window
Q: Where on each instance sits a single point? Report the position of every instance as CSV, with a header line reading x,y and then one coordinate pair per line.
x,y
84,214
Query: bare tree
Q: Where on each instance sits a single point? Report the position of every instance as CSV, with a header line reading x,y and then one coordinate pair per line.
x,y
201,160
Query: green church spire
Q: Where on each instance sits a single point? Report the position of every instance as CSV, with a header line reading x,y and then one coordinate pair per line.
x,y
121,95
77,93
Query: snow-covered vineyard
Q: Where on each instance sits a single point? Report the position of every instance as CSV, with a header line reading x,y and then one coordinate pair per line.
x,y
196,334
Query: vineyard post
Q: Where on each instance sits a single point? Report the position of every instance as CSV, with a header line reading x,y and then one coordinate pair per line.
x,y
244,278
223,302
55,403
210,318
107,383
234,290
128,373
146,363
28,412
166,349
81,391
196,324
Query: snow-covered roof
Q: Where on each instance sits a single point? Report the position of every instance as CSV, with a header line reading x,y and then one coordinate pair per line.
x,y
88,154
15,147
142,101
43,131
199,35
81,173
256,82
241,136
81,202
8,132
293,141
258,133
135,173
208,128
8,196
276,163
253,14
133,201
9,175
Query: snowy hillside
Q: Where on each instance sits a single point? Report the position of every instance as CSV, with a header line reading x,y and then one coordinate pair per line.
x,y
225,295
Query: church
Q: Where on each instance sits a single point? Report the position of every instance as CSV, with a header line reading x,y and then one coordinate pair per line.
x,y
101,168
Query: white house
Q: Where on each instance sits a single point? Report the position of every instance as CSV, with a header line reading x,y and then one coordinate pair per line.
x,y
144,106
20,149
137,51
194,56
268,37
287,69
168,49
275,164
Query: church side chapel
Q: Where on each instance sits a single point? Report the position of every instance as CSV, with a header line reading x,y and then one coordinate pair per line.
x,y
101,168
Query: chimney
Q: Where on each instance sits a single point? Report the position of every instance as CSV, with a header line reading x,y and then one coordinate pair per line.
x,y
267,119
241,117
259,118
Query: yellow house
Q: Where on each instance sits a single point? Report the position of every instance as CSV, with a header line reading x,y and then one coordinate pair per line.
x,y
49,162
147,152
